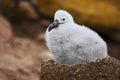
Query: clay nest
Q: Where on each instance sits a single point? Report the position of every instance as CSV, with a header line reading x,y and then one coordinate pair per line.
x,y
105,69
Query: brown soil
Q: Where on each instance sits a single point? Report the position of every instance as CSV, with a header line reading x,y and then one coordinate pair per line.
x,y
106,69
21,60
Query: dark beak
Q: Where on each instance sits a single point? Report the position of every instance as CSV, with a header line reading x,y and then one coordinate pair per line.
x,y
53,25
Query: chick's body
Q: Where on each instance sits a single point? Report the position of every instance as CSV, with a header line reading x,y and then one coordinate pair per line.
x,y
71,43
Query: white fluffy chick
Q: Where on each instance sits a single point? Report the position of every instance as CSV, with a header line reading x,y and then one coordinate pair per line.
x,y
71,43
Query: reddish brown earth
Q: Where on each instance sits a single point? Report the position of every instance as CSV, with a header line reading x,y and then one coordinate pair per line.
x,y
106,69
21,60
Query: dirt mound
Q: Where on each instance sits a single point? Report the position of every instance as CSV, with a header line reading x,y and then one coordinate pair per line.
x,y
106,69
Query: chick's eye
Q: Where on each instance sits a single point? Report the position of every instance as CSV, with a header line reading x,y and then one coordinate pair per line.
x,y
63,19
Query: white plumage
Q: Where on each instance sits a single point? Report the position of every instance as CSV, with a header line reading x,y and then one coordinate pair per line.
x,y
71,43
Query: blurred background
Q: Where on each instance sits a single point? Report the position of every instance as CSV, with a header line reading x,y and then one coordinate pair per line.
x,y
23,24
